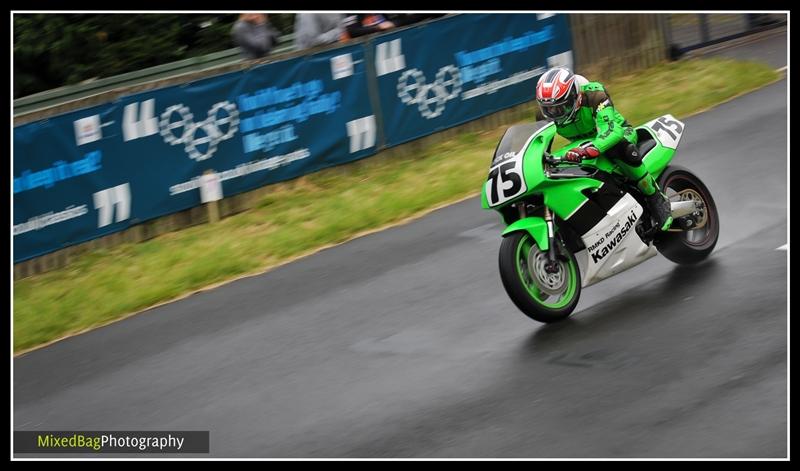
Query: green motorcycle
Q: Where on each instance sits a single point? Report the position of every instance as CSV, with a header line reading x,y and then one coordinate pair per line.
x,y
572,225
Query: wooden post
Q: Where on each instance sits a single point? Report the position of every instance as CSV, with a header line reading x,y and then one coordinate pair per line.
x,y
213,211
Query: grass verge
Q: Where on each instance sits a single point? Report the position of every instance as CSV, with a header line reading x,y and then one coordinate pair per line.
x,y
325,208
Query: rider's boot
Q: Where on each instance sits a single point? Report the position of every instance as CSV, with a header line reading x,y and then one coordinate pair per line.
x,y
657,202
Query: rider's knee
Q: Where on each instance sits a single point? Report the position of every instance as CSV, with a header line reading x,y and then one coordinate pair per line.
x,y
626,152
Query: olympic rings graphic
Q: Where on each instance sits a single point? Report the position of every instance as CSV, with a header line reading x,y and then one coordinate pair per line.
x,y
430,98
214,129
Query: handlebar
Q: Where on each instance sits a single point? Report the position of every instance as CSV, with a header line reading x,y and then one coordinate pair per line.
x,y
548,158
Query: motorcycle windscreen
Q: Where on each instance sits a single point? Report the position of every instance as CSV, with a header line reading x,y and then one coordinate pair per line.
x,y
515,139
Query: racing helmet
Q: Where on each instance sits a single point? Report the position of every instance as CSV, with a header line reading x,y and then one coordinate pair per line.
x,y
558,95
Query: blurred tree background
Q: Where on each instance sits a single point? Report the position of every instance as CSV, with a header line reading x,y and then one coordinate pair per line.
x,y
54,50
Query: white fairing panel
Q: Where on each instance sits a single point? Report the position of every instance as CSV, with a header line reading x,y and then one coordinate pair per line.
x,y
667,130
612,245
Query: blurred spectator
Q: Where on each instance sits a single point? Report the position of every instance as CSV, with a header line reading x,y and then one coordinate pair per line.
x,y
253,33
406,19
361,25
314,29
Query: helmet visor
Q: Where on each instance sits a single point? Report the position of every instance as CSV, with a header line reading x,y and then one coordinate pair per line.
x,y
557,111
560,110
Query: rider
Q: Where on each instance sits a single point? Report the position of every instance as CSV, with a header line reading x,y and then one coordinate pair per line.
x,y
583,110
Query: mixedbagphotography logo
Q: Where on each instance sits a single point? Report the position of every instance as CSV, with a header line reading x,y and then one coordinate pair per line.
x,y
200,140
430,98
144,442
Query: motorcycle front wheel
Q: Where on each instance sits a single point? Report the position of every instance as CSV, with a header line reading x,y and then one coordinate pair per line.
x,y
542,296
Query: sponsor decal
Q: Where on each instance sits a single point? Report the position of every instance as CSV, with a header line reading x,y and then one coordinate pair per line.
x,y
138,122
502,158
341,66
389,57
362,133
60,171
430,98
200,140
113,201
42,221
612,238
241,170
269,115
88,130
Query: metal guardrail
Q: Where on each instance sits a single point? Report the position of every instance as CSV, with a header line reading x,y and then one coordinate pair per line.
x,y
28,108
68,93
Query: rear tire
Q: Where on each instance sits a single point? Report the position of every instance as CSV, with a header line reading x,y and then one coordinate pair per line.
x,y
538,297
688,247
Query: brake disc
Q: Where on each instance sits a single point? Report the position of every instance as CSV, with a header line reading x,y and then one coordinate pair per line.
x,y
553,284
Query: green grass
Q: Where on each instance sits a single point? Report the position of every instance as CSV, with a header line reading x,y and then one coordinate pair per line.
x,y
324,208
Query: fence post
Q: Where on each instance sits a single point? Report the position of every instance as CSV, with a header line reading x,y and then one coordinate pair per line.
x,y
372,90
213,211
705,34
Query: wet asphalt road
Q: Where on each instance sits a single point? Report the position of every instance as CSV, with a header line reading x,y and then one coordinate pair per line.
x,y
769,47
403,343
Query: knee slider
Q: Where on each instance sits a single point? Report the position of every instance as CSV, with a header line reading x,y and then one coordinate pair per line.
x,y
630,154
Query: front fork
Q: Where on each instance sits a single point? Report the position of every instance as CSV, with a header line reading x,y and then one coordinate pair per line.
x,y
552,263
552,257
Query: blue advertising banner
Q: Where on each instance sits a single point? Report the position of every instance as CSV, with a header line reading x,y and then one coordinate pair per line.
x,y
92,172
460,68
99,170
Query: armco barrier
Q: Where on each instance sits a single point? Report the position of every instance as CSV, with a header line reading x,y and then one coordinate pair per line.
x,y
216,60
97,171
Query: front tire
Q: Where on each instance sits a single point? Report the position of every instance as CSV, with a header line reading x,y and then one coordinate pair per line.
x,y
694,246
542,296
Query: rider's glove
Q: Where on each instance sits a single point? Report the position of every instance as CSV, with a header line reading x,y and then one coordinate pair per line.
x,y
577,154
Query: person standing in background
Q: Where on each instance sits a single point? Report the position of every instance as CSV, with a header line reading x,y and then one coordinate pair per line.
x,y
315,29
254,35
362,25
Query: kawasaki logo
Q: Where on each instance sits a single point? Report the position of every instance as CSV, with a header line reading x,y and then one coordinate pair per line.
x,y
599,254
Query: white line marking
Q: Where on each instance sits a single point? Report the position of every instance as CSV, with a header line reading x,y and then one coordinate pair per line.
x,y
783,247
781,69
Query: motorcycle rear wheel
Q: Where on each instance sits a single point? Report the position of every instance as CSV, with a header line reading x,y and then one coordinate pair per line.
x,y
693,246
